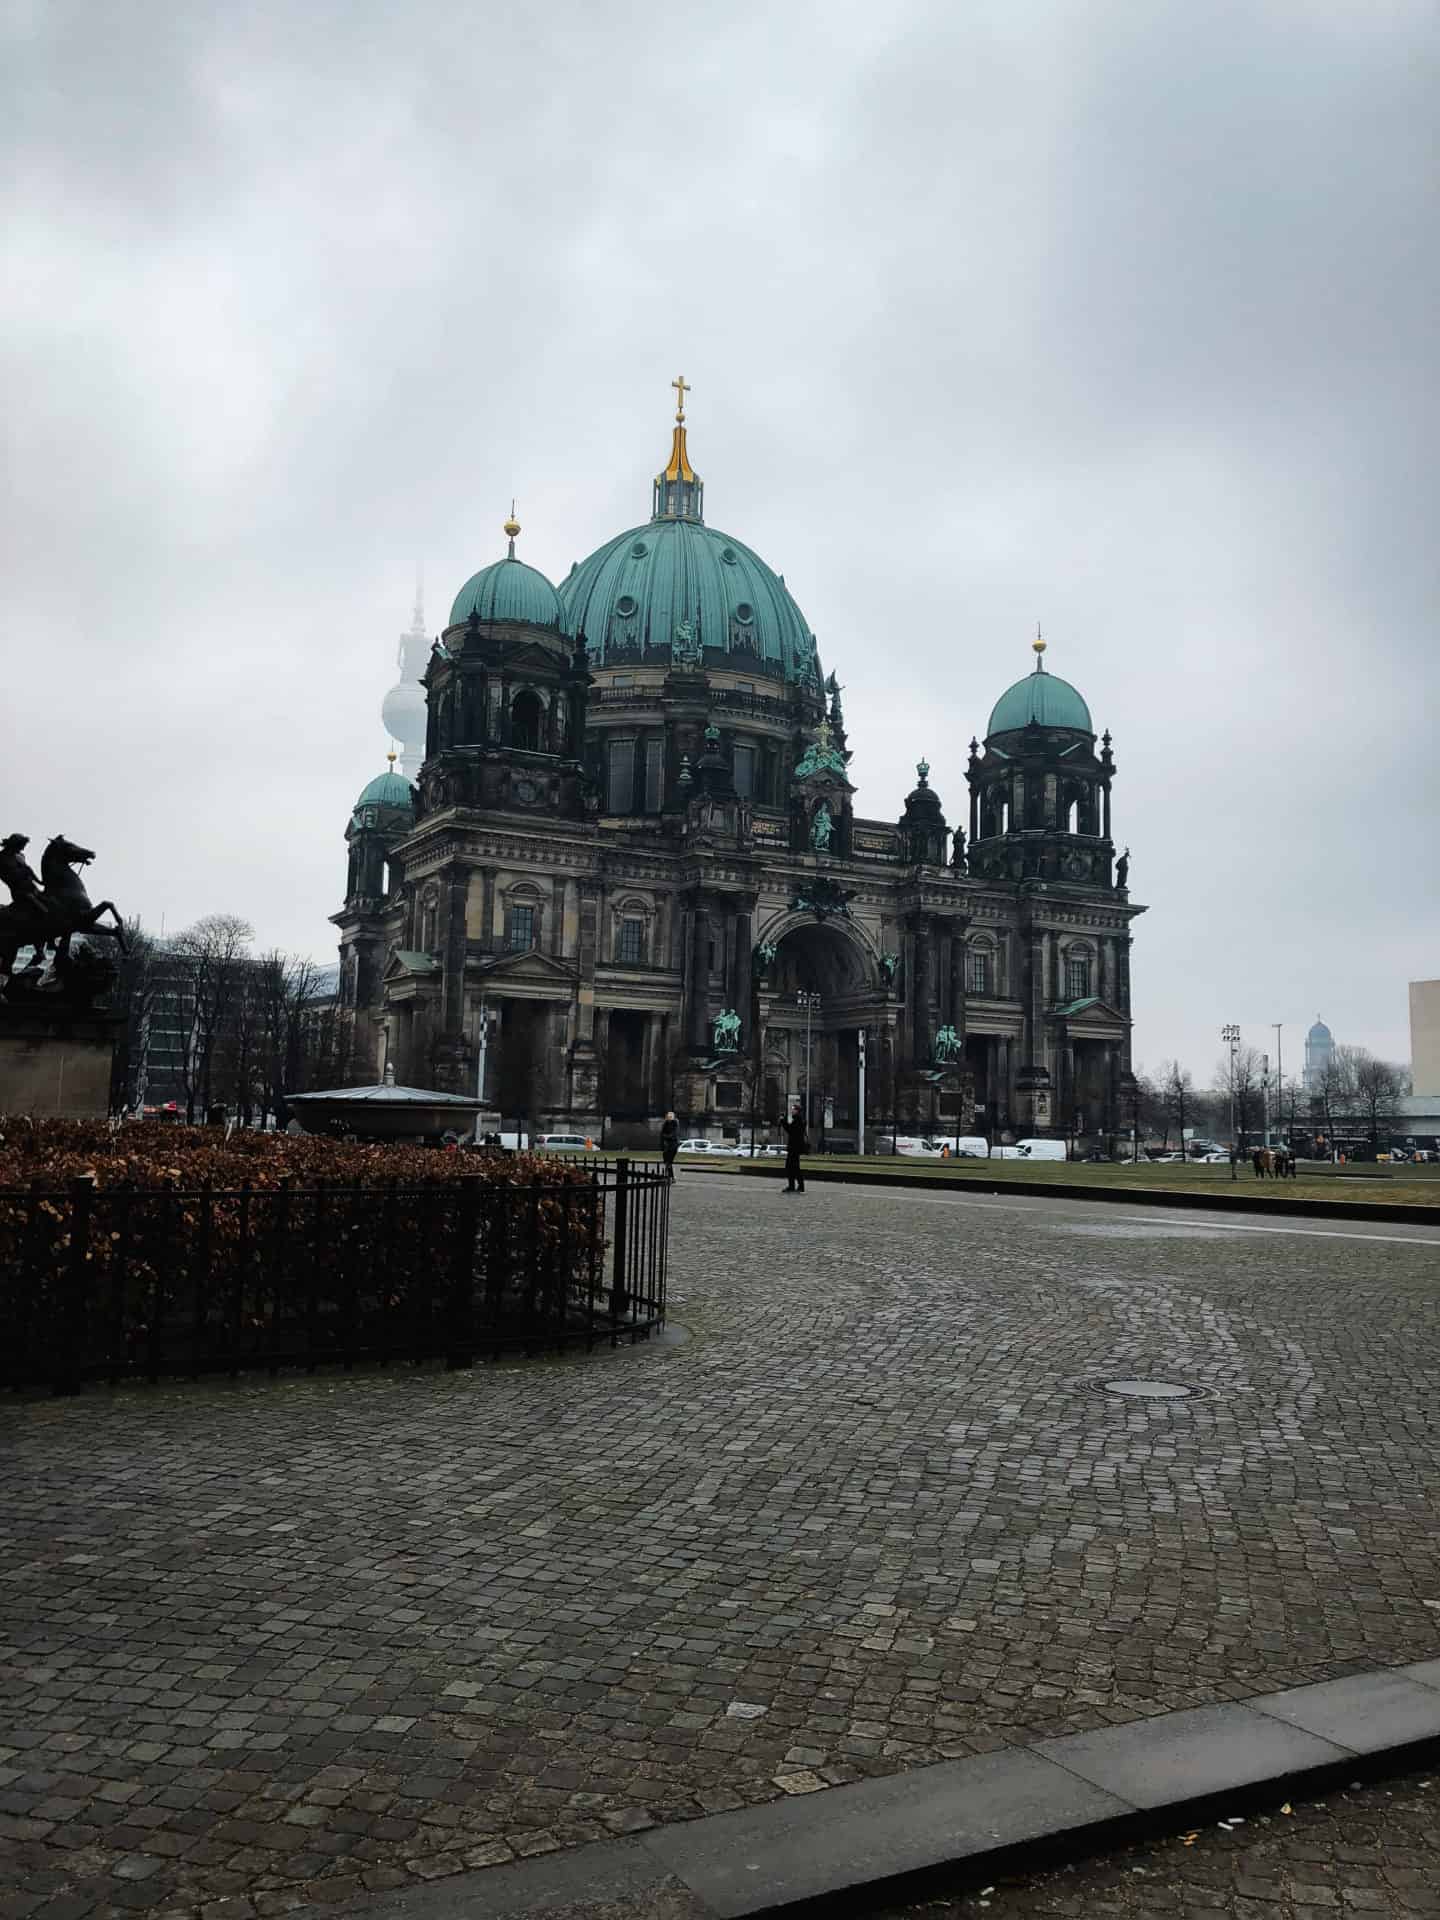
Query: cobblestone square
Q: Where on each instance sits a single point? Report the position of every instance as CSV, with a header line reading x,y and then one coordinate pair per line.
x,y
266,1643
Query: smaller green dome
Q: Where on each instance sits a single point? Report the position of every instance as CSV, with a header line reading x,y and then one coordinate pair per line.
x,y
508,590
386,790
1041,699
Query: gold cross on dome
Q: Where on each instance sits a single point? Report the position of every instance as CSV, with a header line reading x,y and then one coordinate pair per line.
x,y
681,387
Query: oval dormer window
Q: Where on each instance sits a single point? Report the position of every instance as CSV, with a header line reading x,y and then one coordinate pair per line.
x,y
744,613
626,606
639,550
729,556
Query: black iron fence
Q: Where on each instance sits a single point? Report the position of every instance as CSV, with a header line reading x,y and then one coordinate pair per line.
x,y
126,1282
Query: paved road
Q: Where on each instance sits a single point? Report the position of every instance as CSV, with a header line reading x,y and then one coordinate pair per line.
x,y
1372,1850
279,1641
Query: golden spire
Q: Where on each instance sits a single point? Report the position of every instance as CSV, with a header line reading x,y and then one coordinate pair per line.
x,y
512,527
1038,643
391,758
679,467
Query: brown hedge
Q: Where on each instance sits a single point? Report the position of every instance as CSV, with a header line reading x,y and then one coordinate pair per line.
x,y
152,1153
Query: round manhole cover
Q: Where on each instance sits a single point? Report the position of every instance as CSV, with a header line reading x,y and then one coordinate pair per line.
x,y
1148,1389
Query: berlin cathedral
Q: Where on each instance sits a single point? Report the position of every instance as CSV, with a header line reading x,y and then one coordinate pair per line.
x,y
621,871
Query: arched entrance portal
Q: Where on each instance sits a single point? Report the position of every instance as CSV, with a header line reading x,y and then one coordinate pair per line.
x,y
819,991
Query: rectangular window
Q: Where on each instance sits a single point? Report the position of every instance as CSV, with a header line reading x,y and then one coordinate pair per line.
x,y
979,973
1077,979
654,775
745,772
632,942
522,929
622,776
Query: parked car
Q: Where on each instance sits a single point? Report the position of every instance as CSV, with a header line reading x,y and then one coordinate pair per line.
x,y
564,1143
712,1147
971,1146
923,1149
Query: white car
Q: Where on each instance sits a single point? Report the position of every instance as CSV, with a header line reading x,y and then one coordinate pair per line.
x,y
564,1143
701,1146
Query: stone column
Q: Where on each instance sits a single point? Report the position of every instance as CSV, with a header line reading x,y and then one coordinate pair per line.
x,y
698,1025
740,973
957,981
556,943
920,995
589,938
1106,791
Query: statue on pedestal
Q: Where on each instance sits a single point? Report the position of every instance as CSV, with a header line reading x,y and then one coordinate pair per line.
x,y
46,911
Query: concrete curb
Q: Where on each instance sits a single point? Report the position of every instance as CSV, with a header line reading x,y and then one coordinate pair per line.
x,y
969,1820
1402,1213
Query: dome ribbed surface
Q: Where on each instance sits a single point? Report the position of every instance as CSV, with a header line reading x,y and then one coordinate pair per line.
x,y
386,790
639,587
508,590
1042,700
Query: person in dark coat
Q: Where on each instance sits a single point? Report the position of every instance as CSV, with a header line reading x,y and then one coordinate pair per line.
x,y
669,1143
795,1145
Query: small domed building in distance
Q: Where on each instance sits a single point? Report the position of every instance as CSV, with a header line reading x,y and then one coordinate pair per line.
x,y
632,877
1319,1053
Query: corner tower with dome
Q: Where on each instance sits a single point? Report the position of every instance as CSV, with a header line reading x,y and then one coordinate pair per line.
x,y
630,876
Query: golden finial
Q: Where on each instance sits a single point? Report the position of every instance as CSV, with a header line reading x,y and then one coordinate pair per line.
x,y
391,758
1038,643
682,387
512,527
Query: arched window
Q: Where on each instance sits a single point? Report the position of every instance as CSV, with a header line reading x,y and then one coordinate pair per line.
x,y
980,971
1078,973
527,721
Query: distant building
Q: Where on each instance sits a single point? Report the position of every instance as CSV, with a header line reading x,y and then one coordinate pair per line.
x,y
1319,1052
1425,1036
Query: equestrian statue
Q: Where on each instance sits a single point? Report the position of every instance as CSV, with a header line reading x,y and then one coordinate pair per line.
x,y
47,909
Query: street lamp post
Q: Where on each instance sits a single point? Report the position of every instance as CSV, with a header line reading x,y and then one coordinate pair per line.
x,y
809,1001
1280,1086
1230,1034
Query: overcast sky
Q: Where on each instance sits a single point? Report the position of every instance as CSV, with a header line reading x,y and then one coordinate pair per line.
x,y
1117,316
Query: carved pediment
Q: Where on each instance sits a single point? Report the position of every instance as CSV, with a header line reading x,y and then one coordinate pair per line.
x,y
1090,1015
529,968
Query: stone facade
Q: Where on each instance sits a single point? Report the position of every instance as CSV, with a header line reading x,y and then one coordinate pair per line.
x,y
618,840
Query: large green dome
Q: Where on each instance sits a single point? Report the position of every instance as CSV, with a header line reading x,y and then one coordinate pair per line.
x,y
675,583
508,590
1043,700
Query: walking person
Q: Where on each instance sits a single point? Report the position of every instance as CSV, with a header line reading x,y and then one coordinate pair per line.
x,y
795,1145
669,1143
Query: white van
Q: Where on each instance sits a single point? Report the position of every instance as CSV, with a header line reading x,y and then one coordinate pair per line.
x,y
972,1147
564,1143
1033,1150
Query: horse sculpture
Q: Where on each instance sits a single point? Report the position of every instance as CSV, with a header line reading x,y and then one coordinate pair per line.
x,y
48,912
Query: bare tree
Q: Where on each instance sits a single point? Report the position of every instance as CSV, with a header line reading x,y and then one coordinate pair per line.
x,y
1238,1077
1376,1089
1177,1095
1332,1092
210,960
137,979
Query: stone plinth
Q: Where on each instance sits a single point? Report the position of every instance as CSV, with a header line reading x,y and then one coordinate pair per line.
x,y
55,1063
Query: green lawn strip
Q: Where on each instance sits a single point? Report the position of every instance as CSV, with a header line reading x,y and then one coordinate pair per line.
x,y
1341,1188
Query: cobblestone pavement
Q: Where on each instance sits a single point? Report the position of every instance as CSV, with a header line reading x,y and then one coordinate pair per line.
x,y
1374,1849
269,1642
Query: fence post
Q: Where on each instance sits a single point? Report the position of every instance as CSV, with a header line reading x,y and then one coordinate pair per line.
x,y
459,1332
619,1298
69,1368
